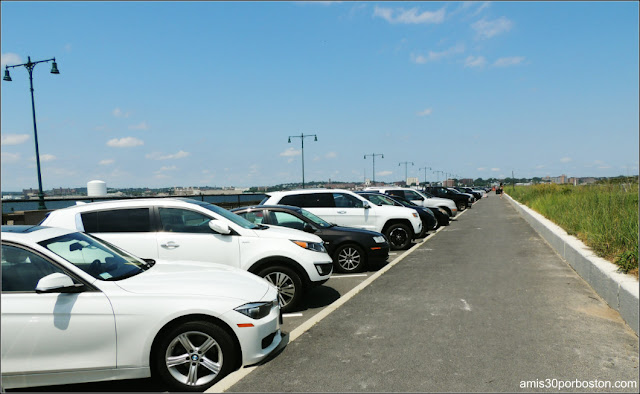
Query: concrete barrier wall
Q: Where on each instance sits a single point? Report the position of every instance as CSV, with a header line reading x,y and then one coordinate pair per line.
x,y
619,290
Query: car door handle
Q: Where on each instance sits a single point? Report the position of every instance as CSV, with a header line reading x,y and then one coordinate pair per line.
x,y
341,212
170,245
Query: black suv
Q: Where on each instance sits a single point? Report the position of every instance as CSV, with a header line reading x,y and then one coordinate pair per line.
x,y
462,201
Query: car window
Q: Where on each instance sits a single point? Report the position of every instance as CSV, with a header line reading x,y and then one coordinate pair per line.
x,y
255,217
22,269
399,193
411,195
343,200
117,221
99,259
316,220
310,200
286,219
177,220
378,200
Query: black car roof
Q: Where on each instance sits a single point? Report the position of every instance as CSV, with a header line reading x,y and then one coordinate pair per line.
x,y
289,207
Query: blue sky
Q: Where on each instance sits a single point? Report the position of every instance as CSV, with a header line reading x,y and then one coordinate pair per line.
x,y
163,94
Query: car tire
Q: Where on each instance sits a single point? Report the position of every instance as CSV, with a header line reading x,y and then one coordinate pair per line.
x,y
211,356
288,283
461,206
349,258
399,236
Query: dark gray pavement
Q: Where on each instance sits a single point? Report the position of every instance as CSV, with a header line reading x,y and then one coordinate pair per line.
x,y
482,306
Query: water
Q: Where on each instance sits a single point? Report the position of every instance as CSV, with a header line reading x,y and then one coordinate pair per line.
x,y
9,206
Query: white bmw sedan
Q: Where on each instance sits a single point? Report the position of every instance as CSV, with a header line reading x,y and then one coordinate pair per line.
x,y
76,309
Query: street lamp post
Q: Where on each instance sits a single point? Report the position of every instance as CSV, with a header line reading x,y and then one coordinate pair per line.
x,y
29,65
405,169
437,176
373,155
302,137
425,173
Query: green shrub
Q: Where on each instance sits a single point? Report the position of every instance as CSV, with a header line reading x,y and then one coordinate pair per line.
x,y
604,217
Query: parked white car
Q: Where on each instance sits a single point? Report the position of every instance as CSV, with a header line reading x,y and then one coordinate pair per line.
x,y
186,229
75,309
419,198
399,224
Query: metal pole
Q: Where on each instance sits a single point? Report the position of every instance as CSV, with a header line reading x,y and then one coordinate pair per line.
x,y
302,139
35,135
374,163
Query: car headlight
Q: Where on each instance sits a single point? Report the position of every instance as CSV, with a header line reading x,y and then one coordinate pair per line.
x,y
315,246
379,239
256,310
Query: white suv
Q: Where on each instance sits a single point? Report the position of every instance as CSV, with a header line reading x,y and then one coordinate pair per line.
x,y
419,198
399,224
173,229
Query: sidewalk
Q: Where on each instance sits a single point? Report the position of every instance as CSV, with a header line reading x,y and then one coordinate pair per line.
x,y
483,305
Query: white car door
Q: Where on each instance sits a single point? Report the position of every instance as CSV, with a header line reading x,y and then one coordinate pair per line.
x,y
350,212
186,235
50,332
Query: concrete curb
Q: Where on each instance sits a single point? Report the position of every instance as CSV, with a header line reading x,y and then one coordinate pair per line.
x,y
619,290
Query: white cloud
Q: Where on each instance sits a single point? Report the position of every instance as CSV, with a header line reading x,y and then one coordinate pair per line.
x,y
118,113
10,59
10,157
425,112
106,162
67,47
495,169
540,166
508,61
433,56
126,142
168,168
475,61
487,29
291,152
565,159
159,156
411,16
481,169
14,139
46,157
139,126
331,155
384,173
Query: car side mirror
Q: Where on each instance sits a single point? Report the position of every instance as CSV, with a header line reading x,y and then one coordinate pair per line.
x,y
308,228
366,205
58,283
219,227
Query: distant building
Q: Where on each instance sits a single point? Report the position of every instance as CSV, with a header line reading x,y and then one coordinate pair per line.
x,y
448,183
466,181
412,181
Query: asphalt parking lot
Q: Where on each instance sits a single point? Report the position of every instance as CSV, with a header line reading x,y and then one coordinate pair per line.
x,y
484,305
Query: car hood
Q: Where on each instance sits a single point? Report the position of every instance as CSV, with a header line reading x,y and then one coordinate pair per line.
x,y
197,278
286,233
355,230
439,199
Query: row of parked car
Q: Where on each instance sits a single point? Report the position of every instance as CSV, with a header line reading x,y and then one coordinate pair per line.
x,y
172,287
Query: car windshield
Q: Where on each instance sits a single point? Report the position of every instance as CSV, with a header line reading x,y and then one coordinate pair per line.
x,y
236,219
101,260
316,220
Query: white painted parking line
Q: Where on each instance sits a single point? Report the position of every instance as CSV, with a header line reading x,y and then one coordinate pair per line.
x,y
291,314
347,276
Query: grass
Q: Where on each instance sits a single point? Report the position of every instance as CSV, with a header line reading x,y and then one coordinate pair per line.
x,y
604,217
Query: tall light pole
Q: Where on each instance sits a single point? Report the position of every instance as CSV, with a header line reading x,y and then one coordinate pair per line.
x,y
29,65
373,155
425,173
405,169
302,137
437,176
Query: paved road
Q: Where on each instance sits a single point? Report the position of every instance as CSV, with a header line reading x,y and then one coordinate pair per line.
x,y
483,305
